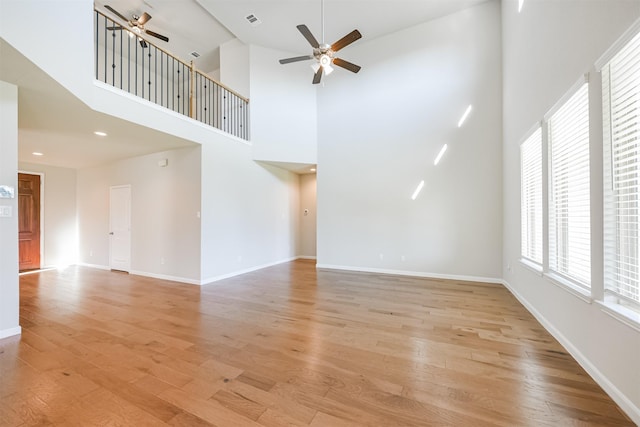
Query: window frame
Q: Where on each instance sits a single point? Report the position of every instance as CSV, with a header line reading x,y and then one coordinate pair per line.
x,y
525,202
581,285
615,302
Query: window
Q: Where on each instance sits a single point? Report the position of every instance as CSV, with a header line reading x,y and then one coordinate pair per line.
x,y
531,197
621,108
569,207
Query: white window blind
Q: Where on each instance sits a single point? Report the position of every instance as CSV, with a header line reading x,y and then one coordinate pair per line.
x,y
531,197
569,207
621,108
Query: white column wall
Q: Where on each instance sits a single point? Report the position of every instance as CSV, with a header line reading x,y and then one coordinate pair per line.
x,y
9,286
249,212
284,118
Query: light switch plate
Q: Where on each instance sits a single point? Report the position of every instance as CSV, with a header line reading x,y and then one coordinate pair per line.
x,y
7,192
5,211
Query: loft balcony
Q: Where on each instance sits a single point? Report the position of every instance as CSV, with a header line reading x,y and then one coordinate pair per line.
x,y
129,61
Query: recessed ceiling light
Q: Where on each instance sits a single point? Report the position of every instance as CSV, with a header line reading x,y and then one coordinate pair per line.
x,y
37,153
100,133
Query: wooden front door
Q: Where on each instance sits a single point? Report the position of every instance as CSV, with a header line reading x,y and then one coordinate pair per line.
x,y
29,221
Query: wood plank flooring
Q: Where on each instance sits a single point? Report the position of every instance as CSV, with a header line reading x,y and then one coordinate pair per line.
x,y
286,346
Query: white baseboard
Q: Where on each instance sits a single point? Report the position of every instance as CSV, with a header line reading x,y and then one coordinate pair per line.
x,y
410,273
165,277
620,398
98,266
245,271
200,282
6,333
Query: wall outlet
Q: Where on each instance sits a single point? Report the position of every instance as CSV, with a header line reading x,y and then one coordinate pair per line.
x,y
162,261
91,253
381,257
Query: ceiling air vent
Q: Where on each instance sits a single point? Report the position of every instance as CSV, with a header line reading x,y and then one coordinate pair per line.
x,y
195,54
253,20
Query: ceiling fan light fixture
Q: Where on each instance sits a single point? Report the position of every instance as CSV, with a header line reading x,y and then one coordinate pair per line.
x,y
315,67
328,69
326,61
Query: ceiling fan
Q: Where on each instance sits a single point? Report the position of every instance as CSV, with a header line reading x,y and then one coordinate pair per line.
x,y
323,53
137,26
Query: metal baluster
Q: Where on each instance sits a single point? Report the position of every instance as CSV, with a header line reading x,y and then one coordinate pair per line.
x,y
105,49
121,55
97,40
142,71
149,88
113,58
136,67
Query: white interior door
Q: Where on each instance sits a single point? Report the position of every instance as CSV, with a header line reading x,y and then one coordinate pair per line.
x,y
120,227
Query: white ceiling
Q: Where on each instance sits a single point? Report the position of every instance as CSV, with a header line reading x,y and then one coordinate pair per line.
x,y
373,18
66,136
203,25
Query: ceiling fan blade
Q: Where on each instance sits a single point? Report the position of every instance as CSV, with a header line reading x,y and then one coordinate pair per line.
x,y
143,43
307,35
159,36
346,40
346,65
317,76
115,12
144,18
296,59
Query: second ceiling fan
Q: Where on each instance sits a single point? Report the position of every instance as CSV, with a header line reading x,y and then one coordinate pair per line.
x,y
323,53
137,25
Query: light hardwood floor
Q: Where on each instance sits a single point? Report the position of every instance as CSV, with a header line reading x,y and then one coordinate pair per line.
x,y
286,346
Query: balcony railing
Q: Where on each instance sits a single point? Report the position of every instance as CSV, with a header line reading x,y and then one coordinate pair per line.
x,y
157,76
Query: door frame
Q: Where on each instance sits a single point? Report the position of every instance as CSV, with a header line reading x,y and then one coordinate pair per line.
x,y
42,230
112,187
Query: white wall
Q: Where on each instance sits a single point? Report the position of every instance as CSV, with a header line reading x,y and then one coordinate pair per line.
x,y
60,225
379,133
283,108
539,67
249,211
43,45
308,222
165,228
9,287
234,66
